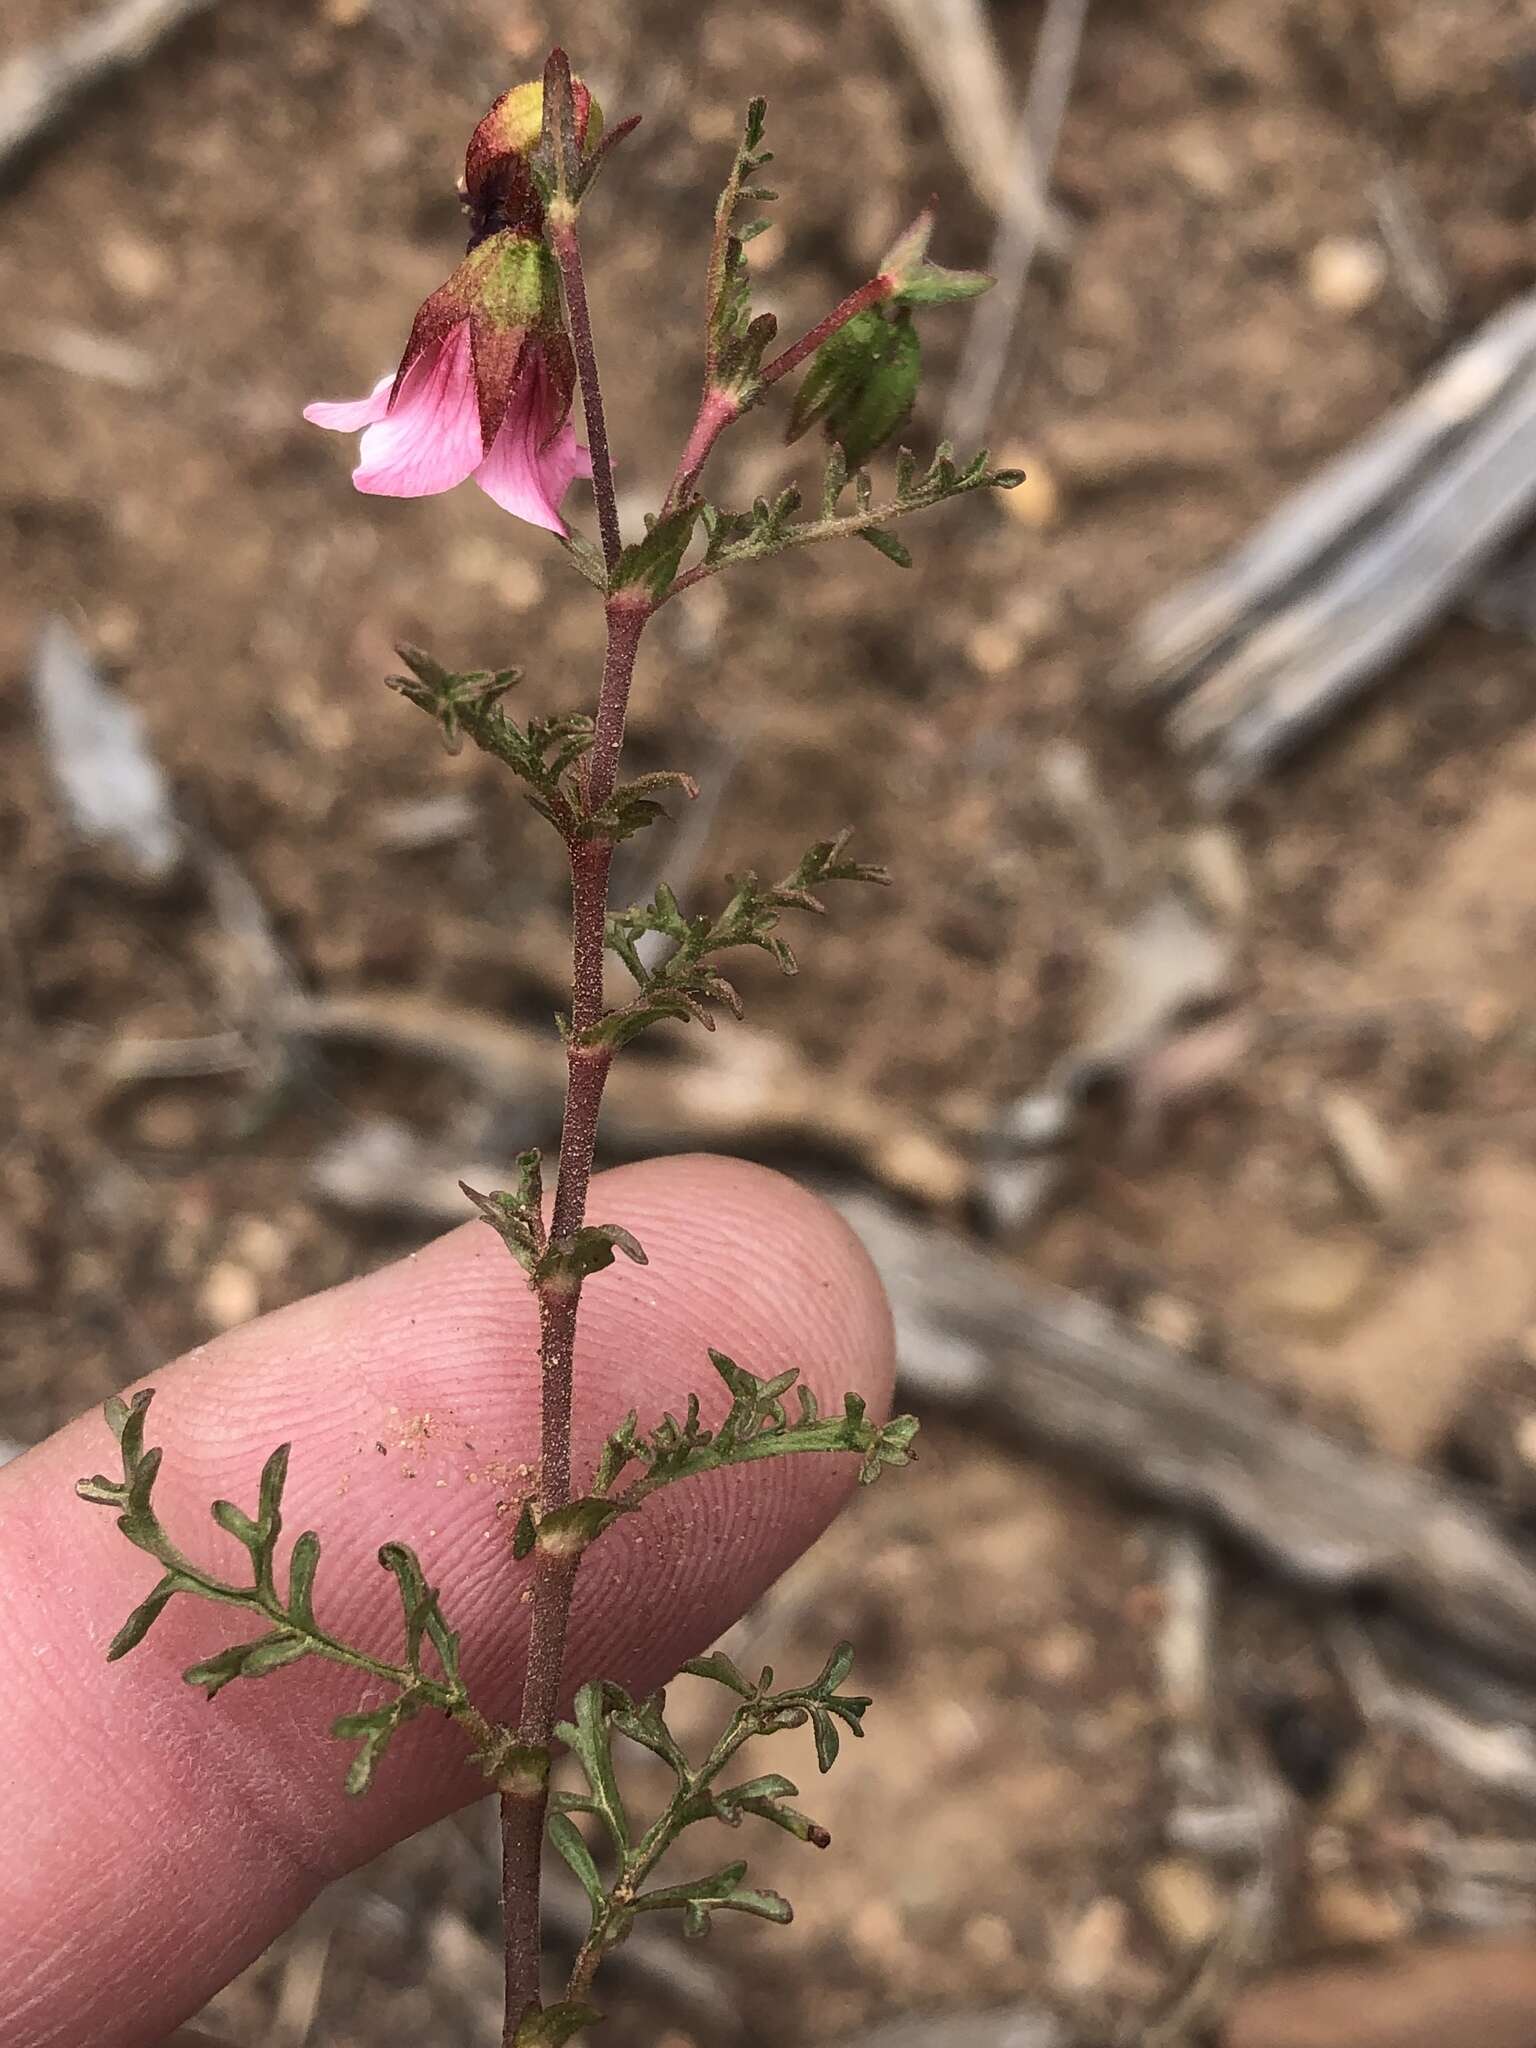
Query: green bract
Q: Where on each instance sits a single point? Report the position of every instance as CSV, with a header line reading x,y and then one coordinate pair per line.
x,y
862,384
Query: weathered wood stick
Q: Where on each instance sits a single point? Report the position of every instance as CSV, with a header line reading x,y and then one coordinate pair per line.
x,y
1021,225
950,45
747,1093
1065,1375
1298,669
1352,567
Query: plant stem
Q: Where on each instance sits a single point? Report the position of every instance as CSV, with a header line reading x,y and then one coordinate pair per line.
x,y
523,1807
872,294
563,240
720,404
717,409
649,1851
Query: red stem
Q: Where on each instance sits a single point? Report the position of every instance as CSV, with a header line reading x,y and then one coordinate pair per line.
x,y
562,239
872,294
720,404
523,1809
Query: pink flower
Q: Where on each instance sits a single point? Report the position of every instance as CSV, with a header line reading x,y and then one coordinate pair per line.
x,y
484,390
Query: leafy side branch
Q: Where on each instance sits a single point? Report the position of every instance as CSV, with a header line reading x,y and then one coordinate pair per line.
x,y
605,1711
756,1426
292,1631
688,978
508,342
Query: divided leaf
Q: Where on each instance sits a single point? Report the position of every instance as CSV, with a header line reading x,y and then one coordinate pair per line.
x,y
682,984
736,339
756,1426
542,754
704,1896
291,1631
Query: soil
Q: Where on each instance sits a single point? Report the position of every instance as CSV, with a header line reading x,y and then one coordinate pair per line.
x,y
257,211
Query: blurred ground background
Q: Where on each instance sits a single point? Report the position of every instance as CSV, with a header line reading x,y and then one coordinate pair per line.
x,y
253,215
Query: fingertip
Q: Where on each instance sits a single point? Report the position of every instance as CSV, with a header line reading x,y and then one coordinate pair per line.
x,y
410,1399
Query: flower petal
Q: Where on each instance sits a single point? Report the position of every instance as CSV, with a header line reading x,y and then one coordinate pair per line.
x,y
430,439
524,478
353,414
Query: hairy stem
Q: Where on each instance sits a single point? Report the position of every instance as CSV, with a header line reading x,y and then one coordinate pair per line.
x,y
872,294
524,1806
717,409
721,405
563,240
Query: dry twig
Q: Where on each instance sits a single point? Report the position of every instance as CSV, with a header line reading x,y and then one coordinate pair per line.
x,y
1022,222
1350,570
1060,1372
950,45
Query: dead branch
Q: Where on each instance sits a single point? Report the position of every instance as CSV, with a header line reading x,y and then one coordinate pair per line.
x,y
1351,569
1495,1748
1247,1938
1059,1372
950,45
747,1094
40,86
1022,224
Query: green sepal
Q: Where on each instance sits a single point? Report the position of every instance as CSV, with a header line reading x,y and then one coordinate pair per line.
x,y
930,284
862,384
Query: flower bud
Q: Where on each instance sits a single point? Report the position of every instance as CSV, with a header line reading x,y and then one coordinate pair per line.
x,y
914,281
861,385
498,178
